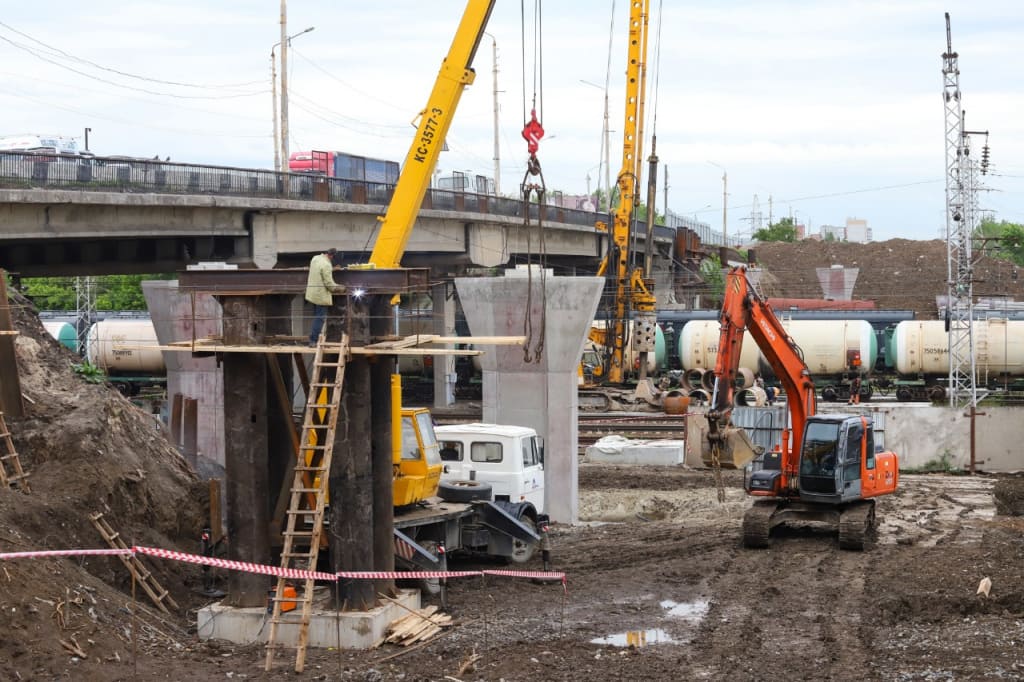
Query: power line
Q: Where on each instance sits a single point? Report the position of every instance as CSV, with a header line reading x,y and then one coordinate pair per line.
x,y
126,74
121,85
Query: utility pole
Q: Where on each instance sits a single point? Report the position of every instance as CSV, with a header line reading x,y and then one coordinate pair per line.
x,y
725,203
665,209
87,131
284,86
769,210
273,90
497,149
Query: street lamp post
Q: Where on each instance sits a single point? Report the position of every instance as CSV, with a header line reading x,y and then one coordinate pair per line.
x,y
497,149
725,202
280,139
605,143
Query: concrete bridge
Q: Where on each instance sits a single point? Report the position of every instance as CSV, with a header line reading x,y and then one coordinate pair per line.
x,y
84,216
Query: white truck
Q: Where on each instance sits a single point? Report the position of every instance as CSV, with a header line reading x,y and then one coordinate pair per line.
x,y
490,499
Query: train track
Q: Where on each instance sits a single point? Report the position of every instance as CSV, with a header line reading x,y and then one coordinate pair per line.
x,y
594,426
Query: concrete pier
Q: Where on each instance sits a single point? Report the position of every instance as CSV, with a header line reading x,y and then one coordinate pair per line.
x,y
541,394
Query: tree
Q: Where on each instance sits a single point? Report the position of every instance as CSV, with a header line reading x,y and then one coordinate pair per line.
x,y
714,278
112,292
782,231
1007,239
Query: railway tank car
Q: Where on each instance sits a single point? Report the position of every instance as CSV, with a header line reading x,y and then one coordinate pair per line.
x,y
918,352
832,349
113,345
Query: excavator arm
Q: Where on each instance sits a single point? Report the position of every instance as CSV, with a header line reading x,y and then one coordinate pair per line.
x,y
742,311
434,121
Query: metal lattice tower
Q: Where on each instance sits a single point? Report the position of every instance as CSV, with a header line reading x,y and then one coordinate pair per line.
x,y
85,308
961,220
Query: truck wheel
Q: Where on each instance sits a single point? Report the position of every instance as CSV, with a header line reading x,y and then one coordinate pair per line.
x,y
829,395
524,551
464,491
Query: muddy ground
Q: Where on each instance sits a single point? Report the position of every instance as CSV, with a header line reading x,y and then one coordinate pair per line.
x,y
659,555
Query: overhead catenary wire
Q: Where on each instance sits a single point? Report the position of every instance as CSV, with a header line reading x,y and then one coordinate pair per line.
x,y
82,60
156,93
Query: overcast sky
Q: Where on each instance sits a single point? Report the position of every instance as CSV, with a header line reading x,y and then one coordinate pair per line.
x,y
832,108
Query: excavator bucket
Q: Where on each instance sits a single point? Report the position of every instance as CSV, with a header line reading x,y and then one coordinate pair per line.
x,y
735,449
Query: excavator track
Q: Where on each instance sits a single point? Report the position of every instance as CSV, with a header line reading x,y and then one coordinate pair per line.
x,y
855,522
757,524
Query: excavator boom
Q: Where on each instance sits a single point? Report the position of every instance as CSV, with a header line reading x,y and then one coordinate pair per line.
x,y
744,311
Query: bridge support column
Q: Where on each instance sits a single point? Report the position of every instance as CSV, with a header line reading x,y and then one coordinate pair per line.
x,y
542,394
444,365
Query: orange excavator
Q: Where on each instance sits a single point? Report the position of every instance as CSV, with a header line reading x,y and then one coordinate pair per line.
x,y
826,468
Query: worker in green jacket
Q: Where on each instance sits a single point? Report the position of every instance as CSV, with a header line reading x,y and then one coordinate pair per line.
x,y
320,288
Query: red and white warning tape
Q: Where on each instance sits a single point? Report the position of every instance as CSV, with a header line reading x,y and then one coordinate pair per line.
x,y
293,573
42,554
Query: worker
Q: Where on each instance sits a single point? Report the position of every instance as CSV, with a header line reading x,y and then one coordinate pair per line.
x,y
854,391
320,290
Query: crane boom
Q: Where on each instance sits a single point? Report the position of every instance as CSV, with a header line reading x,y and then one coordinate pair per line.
x,y
633,292
434,121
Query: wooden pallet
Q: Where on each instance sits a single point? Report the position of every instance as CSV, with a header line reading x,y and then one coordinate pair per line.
x,y
11,473
417,626
157,594
305,514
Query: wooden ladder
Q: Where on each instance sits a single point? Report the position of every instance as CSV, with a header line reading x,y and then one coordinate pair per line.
x,y
142,574
305,515
9,458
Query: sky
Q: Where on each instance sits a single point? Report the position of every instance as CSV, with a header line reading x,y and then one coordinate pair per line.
x,y
824,110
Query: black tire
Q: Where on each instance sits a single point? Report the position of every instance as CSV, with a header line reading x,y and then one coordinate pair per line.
x,y
522,551
904,395
464,491
865,394
829,395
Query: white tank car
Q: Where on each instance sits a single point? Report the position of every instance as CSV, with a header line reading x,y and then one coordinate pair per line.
x,y
113,345
921,347
826,344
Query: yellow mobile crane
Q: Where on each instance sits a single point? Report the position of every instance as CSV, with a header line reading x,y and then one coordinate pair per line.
x,y
435,120
633,290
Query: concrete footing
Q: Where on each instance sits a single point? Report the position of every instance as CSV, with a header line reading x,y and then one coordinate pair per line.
x,y
327,627
624,451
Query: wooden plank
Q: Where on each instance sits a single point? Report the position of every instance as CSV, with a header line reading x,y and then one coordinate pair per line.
x,y
354,350
10,383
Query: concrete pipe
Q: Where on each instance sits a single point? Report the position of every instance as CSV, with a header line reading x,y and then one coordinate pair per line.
x,y
744,378
751,397
707,382
699,396
692,378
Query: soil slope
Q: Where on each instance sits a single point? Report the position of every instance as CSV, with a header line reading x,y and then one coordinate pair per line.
x,y
898,274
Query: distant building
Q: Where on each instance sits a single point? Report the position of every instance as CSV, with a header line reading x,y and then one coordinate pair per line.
x,y
832,232
855,230
580,202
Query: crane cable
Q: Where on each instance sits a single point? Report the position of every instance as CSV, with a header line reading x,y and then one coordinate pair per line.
x,y
533,131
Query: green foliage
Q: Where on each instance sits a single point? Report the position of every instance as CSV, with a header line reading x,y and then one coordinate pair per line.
x,y
89,372
714,278
1007,239
112,292
943,464
782,231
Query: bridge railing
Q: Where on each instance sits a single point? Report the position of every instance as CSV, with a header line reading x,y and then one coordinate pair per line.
x,y
88,173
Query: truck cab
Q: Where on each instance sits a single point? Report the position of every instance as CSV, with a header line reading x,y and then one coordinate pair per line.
x,y
510,459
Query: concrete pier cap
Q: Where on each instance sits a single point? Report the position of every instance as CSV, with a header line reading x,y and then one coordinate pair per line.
x,y
541,393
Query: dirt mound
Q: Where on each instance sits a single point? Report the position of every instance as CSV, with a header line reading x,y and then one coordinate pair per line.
x,y
87,449
898,274
1009,496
